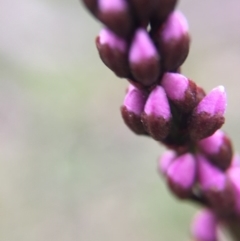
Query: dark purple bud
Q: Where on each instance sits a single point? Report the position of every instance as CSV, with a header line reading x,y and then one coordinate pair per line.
x,y
215,186
161,11
92,5
181,91
172,40
204,226
132,109
165,161
157,114
116,16
181,175
218,149
113,52
208,115
144,59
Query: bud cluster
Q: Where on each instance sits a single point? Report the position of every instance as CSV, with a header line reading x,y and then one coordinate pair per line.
x,y
142,39
146,42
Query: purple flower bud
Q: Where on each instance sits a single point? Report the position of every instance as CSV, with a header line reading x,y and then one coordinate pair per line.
x,y
165,161
132,109
209,176
207,117
161,11
113,52
144,59
116,16
218,149
214,103
181,175
233,175
157,114
173,41
180,90
204,226
215,187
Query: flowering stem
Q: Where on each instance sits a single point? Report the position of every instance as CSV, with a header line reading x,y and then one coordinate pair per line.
x,y
146,42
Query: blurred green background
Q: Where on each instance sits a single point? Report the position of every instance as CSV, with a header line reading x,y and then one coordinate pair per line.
x,y
69,168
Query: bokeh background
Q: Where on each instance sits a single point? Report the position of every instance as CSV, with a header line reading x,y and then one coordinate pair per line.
x,y
69,168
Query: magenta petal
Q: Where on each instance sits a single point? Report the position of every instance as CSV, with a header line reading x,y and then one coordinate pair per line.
x,y
175,85
214,103
176,26
112,40
204,226
181,175
212,144
165,161
209,176
142,47
110,5
135,100
157,104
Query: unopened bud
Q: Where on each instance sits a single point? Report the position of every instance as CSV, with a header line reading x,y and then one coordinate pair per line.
x,y
180,90
165,161
215,186
116,16
157,114
218,149
208,115
181,175
132,109
173,41
144,58
113,52
204,226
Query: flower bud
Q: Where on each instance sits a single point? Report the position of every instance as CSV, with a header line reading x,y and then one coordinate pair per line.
x,y
218,149
173,41
165,161
157,114
204,226
181,175
144,59
161,11
215,186
113,52
181,91
116,16
132,109
207,116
